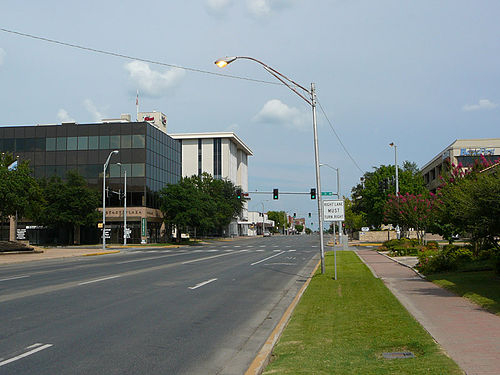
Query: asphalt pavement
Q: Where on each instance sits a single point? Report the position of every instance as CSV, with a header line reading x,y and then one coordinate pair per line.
x,y
188,310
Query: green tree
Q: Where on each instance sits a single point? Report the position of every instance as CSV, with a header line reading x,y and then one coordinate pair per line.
x,y
70,204
354,221
19,192
370,197
299,228
469,203
201,203
279,218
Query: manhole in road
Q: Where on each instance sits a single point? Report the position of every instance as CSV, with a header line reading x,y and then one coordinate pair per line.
x,y
398,355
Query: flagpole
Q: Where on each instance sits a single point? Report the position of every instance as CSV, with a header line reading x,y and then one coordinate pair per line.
x,y
137,105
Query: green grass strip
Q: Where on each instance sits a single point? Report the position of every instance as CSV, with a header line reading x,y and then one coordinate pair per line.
x,y
344,326
481,287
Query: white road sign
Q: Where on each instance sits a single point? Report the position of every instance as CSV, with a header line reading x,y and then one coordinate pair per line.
x,y
333,210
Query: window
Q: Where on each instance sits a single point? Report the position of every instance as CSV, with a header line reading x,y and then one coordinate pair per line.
x,y
114,142
83,143
93,142
50,144
138,141
217,158
72,143
138,170
104,142
61,143
126,141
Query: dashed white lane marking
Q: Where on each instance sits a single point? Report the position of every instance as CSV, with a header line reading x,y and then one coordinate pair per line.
x,y
288,246
260,251
98,280
145,259
202,284
237,246
276,251
36,348
263,260
292,250
275,246
262,245
15,277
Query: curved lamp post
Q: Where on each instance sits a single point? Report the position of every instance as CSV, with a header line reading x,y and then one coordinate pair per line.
x,y
309,97
104,199
392,144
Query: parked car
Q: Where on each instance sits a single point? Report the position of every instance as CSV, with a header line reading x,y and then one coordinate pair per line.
x,y
267,234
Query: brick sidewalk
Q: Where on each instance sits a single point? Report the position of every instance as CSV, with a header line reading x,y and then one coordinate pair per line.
x,y
469,334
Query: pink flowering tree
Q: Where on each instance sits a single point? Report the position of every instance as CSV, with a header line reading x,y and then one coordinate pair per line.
x,y
411,211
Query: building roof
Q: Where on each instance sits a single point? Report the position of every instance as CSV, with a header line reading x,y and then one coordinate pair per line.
x,y
233,137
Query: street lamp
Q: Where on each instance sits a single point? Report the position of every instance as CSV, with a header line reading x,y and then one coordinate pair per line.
x,y
311,100
104,199
392,144
124,206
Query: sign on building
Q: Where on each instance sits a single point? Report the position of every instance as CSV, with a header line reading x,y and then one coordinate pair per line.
x,y
333,210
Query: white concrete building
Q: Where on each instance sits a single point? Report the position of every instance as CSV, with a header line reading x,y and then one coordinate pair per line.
x,y
258,220
223,155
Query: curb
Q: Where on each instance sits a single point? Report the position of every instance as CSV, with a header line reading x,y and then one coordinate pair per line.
x,y
403,264
101,253
262,358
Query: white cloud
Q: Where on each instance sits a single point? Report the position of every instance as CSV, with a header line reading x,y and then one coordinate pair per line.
x,y
153,83
277,112
92,109
63,116
482,104
2,56
263,8
218,6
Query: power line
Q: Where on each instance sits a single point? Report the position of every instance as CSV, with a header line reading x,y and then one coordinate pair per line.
x,y
340,141
115,54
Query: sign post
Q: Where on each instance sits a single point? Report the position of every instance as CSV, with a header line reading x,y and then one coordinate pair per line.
x,y
333,210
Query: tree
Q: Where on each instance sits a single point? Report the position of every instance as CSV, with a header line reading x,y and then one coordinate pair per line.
x,y
369,198
469,203
69,204
201,203
299,228
279,218
354,221
19,192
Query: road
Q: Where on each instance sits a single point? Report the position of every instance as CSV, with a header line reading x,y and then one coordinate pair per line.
x,y
192,310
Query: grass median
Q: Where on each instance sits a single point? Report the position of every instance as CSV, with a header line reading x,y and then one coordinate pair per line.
x,y
345,326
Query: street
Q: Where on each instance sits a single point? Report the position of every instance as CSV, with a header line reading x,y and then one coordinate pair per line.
x,y
191,310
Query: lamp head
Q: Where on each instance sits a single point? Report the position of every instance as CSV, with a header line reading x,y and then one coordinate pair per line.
x,y
116,152
221,63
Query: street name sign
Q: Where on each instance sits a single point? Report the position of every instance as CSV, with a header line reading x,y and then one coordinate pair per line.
x,y
328,193
333,210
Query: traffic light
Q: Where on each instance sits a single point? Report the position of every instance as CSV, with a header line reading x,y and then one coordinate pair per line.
x,y
238,193
275,194
313,193
309,214
294,215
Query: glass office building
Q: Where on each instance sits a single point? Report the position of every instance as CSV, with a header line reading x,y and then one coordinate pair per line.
x,y
150,157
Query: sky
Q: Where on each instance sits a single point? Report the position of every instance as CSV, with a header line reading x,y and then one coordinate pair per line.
x,y
420,74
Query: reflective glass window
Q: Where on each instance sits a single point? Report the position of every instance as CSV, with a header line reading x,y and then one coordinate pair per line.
x,y
126,141
72,143
50,144
114,170
114,142
138,170
104,142
83,143
40,144
61,143
93,142
138,141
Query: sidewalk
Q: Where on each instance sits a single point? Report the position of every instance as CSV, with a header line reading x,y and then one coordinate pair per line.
x,y
53,253
468,334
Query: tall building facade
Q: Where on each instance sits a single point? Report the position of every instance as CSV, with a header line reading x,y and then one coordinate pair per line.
x,y
150,157
222,155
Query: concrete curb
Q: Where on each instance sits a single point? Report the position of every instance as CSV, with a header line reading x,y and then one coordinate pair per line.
x,y
403,264
262,359
101,253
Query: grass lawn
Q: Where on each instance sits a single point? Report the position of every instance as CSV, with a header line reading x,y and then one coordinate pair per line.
x,y
481,287
344,326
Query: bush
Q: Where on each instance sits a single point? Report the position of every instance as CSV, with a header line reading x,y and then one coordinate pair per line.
x,y
400,251
432,245
432,261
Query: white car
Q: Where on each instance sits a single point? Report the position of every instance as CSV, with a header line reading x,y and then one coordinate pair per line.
x,y
267,234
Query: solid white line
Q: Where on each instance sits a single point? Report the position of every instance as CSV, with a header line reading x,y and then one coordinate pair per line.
x,y
14,277
201,284
7,361
97,280
144,259
263,260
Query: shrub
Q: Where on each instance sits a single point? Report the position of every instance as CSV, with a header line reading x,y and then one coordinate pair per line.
x,y
432,245
431,261
400,251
